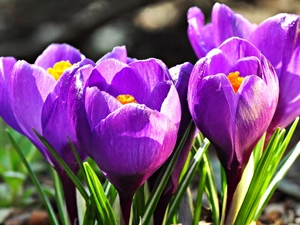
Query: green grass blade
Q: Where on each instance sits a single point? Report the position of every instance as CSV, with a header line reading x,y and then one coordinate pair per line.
x,y
183,185
211,190
59,197
282,169
201,186
104,208
264,174
70,173
46,202
164,176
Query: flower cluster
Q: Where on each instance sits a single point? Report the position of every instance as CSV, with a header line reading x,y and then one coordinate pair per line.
x,y
128,114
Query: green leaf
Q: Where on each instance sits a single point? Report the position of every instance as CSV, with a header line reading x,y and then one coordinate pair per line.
x,y
104,208
183,185
211,190
59,197
282,169
201,186
70,173
164,176
46,202
263,174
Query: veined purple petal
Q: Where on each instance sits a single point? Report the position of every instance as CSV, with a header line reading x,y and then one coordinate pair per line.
x,y
30,87
213,107
276,38
164,98
119,53
132,142
58,52
255,111
6,67
289,98
229,24
238,48
152,71
57,115
181,75
99,105
247,66
200,36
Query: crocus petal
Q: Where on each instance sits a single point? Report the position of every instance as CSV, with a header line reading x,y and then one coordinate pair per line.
x,y
99,105
132,141
200,36
6,66
277,37
119,53
212,99
254,114
152,71
238,48
164,98
56,53
228,24
181,75
56,111
30,87
247,66
289,99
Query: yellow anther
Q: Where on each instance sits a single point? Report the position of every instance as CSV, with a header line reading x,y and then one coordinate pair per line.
x,y
125,99
235,80
59,68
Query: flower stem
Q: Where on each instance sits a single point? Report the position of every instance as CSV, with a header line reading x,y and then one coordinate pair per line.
x,y
70,198
125,202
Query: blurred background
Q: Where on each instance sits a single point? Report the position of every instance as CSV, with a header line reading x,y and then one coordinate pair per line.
x,y
148,28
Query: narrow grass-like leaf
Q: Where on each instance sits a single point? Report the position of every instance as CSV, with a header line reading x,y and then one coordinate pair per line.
x,y
70,173
201,185
263,169
183,185
258,149
164,176
211,190
104,208
46,202
80,163
59,198
283,167
90,213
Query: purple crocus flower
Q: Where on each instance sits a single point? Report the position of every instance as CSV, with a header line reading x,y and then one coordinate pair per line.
x,y
36,96
224,24
132,119
278,39
232,96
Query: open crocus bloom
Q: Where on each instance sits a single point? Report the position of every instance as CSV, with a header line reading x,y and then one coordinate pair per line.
x,y
34,97
277,38
132,115
224,24
232,96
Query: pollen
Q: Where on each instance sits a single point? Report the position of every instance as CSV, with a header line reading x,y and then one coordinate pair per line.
x,y
59,68
125,99
235,80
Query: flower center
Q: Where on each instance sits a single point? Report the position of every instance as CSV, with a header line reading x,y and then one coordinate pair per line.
x,y
235,80
125,99
59,68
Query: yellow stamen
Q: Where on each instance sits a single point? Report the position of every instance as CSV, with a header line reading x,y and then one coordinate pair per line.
x,y
59,68
235,80
125,99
